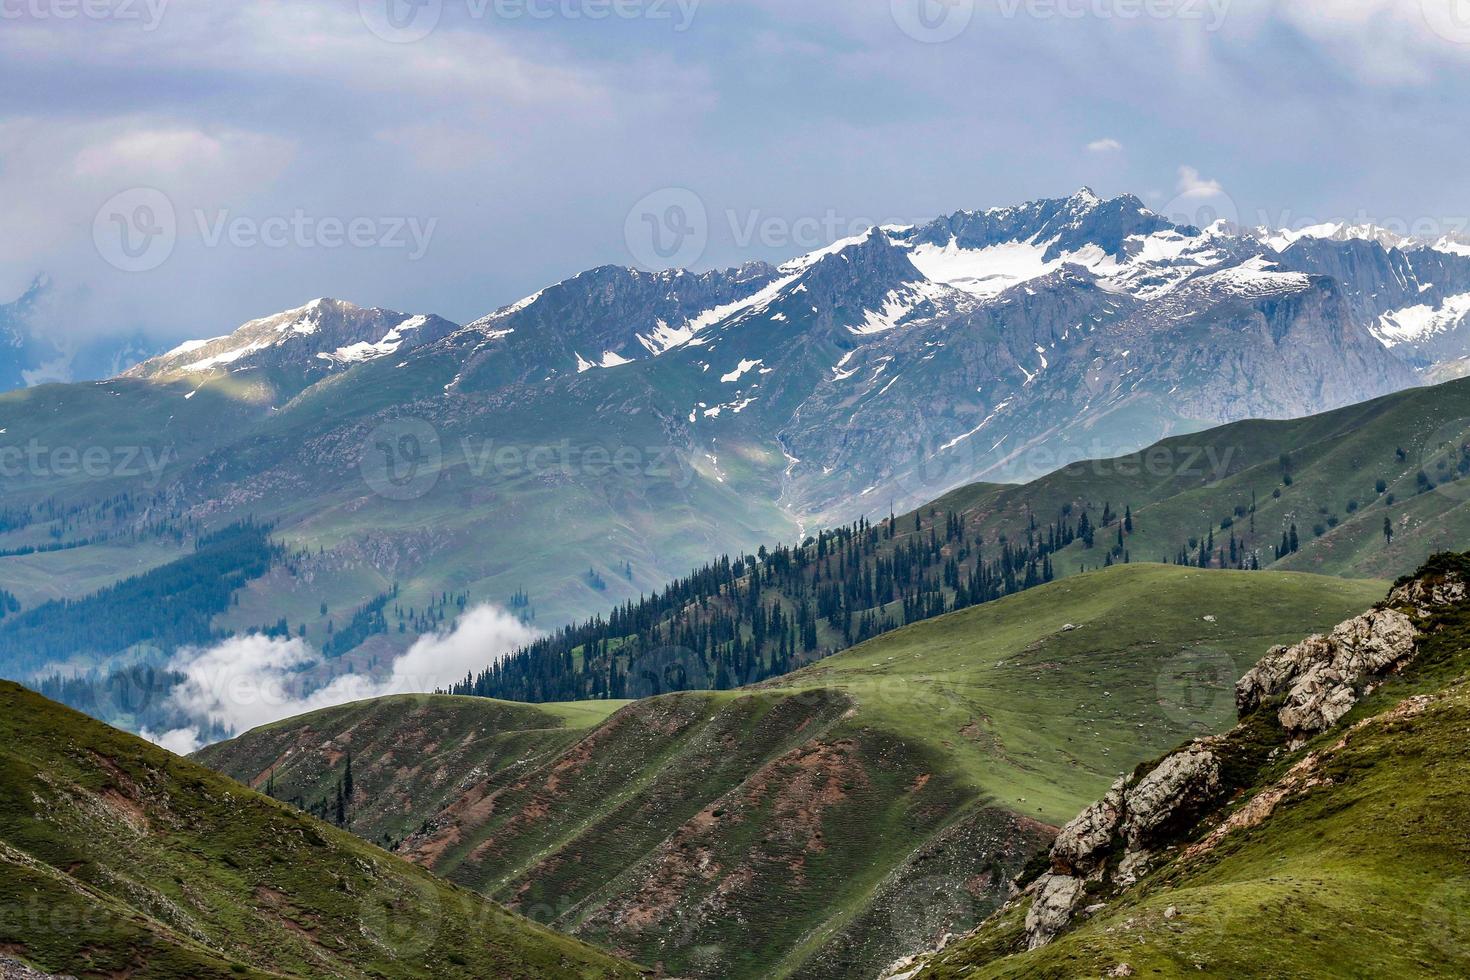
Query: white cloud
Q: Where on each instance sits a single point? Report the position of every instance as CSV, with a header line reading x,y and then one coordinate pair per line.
x,y
254,680
1191,184
58,171
481,637
1107,145
1389,43
179,741
314,43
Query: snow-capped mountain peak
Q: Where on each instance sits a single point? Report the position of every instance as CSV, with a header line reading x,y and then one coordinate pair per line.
x,y
887,281
322,334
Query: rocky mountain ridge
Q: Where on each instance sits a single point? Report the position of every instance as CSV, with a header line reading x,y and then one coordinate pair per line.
x,y
992,344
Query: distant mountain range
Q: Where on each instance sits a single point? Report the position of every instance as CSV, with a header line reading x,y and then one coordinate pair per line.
x,y
595,439
991,345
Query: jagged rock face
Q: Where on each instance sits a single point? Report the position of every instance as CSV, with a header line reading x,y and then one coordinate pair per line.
x,y
1182,785
1083,843
1411,298
312,340
1057,897
601,318
1185,782
1424,594
1068,225
1321,676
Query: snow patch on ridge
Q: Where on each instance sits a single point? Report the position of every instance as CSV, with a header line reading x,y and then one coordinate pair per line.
x,y
610,359
1422,321
743,367
364,351
1259,276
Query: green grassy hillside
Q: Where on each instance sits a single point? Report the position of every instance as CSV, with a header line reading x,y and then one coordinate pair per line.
x,y
828,822
490,521
1367,491
119,859
412,750
1360,871
1322,474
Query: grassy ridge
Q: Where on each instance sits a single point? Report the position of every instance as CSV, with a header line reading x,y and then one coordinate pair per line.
x,y
416,747
1364,875
1322,471
1057,712
117,858
829,822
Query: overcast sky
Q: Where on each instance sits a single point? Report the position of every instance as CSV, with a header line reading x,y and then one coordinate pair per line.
x,y
184,165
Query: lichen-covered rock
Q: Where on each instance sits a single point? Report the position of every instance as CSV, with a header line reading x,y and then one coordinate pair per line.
x,y
1113,843
1317,700
1132,868
1181,785
1083,844
1057,898
1185,782
1322,676
1424,594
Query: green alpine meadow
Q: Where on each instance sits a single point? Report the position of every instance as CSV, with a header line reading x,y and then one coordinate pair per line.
x,y
585,490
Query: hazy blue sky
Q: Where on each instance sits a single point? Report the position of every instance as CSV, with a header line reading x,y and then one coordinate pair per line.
x,y
452,156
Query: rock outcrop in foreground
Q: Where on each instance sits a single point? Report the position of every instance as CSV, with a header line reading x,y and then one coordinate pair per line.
x,y
1309,687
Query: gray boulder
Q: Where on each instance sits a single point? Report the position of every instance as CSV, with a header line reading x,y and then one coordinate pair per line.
x,y
1057,898
1185,781
1322,676
1083,844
